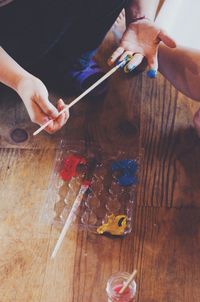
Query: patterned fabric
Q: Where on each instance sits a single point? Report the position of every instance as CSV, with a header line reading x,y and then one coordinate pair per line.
x,y
4,2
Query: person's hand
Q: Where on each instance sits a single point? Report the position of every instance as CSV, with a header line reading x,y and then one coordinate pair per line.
x,y
35,97
141,39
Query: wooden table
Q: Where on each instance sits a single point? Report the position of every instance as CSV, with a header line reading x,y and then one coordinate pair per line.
x,y
151,118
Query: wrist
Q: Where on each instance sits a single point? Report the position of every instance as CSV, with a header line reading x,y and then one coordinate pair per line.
x,y
140,9
11,72
20,79
136,19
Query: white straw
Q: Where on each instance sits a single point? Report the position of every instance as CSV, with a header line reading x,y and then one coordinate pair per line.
x,y
70,218
108,74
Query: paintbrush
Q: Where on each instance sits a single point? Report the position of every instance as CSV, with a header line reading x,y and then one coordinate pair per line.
x,y
73,212
128,282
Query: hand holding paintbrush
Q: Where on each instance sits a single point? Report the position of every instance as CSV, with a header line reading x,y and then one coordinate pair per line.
x,y
108,74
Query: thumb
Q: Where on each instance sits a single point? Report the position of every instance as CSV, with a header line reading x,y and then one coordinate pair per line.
x,y
47,107
61,105
166,39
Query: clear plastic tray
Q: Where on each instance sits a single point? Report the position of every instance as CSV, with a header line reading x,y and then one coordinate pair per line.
x,y
105,196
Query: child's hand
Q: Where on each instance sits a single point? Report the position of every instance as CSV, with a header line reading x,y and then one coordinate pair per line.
x,y
35,97
141,39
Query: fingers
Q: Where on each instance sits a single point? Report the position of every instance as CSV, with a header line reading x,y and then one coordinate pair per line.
x,y
167,40
39,117
137,60
116,54
36,114
134,62
153,65
125,54
61,120
47,107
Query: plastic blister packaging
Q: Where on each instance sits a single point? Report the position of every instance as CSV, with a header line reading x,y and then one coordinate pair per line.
x,y
106,203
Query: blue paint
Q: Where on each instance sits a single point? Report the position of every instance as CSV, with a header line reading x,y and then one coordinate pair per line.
x,y
127,169
152,73
126,60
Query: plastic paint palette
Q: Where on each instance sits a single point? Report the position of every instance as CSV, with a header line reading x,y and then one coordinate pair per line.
x,y
104,198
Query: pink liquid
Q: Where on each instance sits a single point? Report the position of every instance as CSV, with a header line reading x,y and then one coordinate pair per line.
x,y
127,295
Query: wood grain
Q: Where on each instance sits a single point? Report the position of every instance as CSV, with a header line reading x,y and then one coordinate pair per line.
x,y
145,118
170,147
164,249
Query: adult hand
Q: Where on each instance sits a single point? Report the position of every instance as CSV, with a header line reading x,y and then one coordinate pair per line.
x,y
141,39
35,97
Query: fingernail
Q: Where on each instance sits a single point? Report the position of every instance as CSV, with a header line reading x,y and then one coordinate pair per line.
x,y
109,61
46,119
152,73
127,69
60,104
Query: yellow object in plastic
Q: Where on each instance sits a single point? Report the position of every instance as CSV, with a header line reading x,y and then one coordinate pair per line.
x,y
116,225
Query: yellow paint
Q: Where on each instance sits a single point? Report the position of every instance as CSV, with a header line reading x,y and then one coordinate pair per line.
x,y
116,225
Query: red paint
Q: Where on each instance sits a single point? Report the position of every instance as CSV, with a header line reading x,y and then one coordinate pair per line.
x,y
127,295
86,183
70,165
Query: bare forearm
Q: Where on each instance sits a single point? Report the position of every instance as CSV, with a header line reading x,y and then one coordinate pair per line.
x,y
141,8
10,71
181,67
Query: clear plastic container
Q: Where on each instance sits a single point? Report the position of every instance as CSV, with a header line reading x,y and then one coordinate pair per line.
x,y
115,283
105,197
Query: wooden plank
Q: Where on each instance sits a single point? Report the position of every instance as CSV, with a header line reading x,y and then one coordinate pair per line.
x,y
163,247
22,268
166,252
170,147
24,245
13,116
164,243
24,177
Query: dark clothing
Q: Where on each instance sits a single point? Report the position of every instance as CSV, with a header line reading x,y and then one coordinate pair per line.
x,y
67,28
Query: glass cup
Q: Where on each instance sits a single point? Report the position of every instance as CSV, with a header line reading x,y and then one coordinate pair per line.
x,y
115,283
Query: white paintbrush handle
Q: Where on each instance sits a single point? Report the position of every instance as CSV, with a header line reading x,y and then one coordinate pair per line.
x,y
128,282
103,78
70,218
